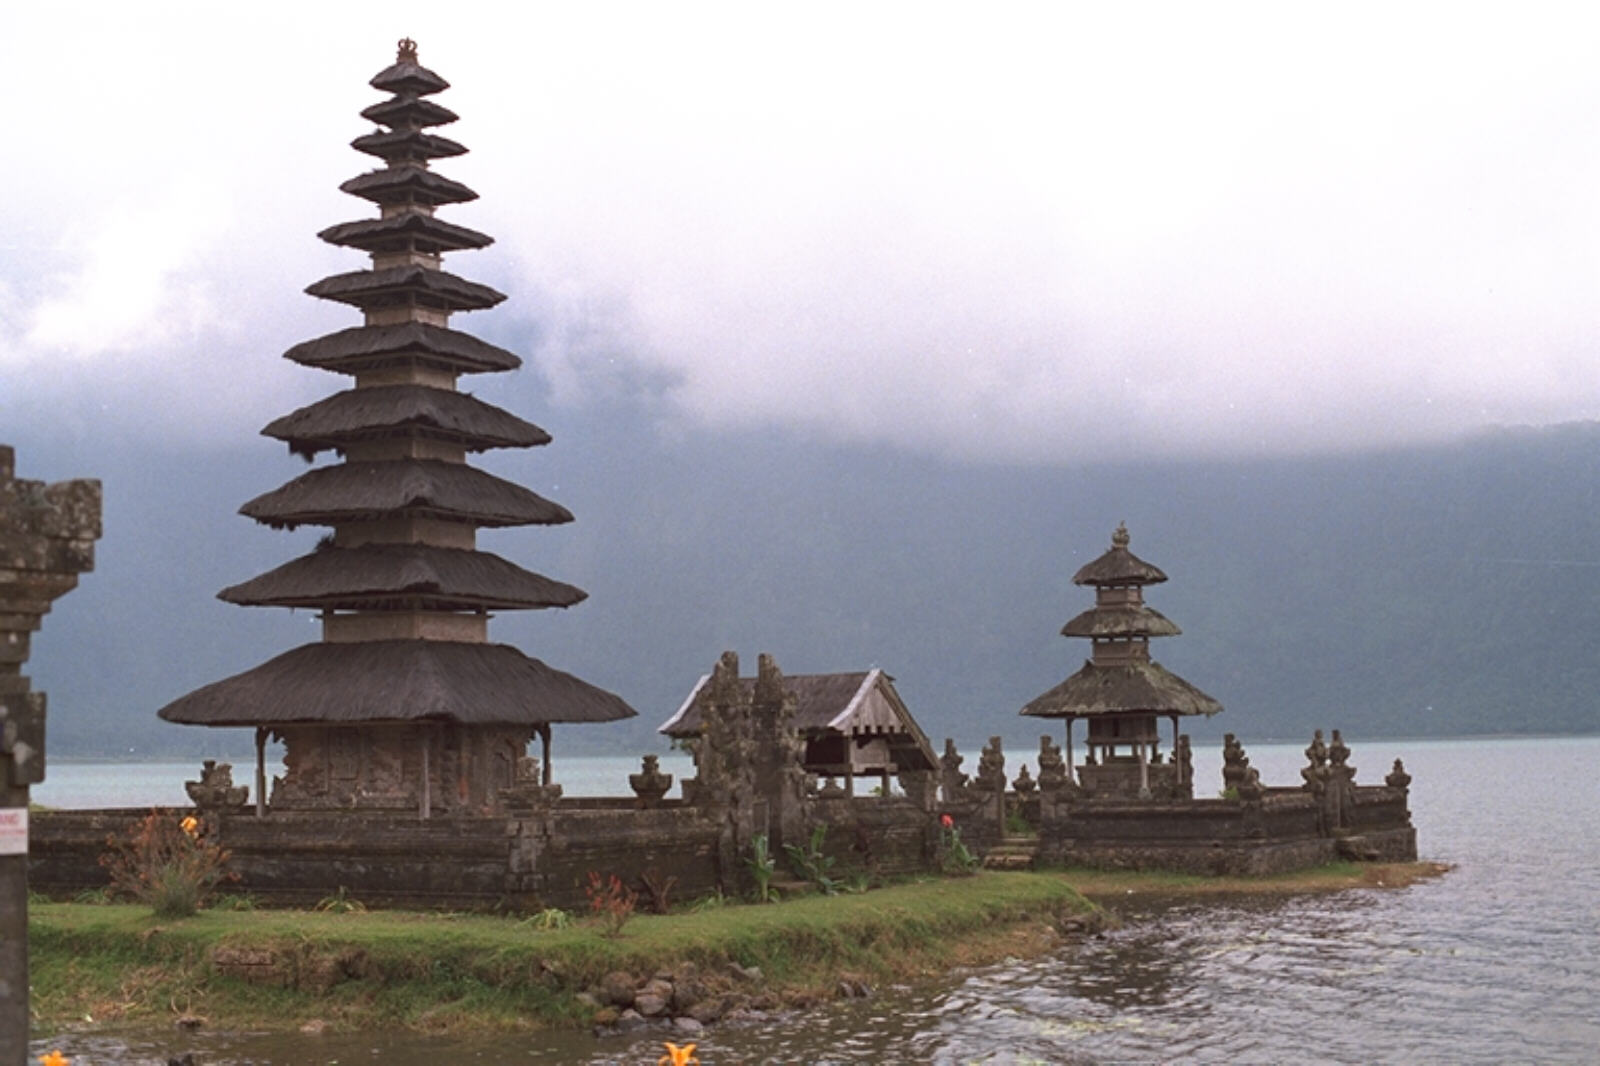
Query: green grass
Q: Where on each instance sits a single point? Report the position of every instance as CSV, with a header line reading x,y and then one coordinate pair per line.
x,y
432,971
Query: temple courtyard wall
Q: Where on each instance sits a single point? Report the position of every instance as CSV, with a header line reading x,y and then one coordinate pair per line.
x,y
543,856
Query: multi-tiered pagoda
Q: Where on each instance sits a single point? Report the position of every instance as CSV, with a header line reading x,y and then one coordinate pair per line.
x,y
404,703
1120,690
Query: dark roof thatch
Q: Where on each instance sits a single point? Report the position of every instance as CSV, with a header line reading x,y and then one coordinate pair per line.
x,y
398,681
410,231
408,112
415,576
361,348
1121,622
408,185
407,146
1131,688
417,285
408,76
348,492
382,411
1119,566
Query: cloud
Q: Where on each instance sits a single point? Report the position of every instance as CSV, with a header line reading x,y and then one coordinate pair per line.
x,y
1051,233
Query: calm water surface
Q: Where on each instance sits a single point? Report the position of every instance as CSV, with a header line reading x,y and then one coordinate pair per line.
x,y
1497,962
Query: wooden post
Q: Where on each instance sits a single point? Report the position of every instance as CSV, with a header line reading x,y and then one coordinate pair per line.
x,y
261,772
1072,778
885,782
544,745
426,802
1144,771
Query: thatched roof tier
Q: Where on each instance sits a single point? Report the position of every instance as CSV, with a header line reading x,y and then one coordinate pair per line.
x,y
1129,688
408,285
1121,622
398,681
402,576
407,185
409,112
362,348
1119,566
407,232
407,146
430,488
385,411
408,76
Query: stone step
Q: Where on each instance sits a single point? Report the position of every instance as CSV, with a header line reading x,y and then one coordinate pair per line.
x,y
1008,860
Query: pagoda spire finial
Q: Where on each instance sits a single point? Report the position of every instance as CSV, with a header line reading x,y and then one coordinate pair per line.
x,y
407,51
1119,539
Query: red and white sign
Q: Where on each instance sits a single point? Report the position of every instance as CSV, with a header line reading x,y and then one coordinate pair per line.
x,y
13,830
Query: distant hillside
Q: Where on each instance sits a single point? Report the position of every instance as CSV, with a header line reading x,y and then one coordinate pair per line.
x,y
1431,591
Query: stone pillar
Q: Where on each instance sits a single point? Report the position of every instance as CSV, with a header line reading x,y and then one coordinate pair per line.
x,y
47,535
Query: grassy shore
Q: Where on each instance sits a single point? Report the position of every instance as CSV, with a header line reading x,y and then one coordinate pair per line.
x,y
99,964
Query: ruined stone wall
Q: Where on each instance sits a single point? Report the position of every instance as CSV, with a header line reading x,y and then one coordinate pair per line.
x,y
871,834
553,853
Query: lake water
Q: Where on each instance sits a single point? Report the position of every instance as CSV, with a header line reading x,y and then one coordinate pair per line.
x,y
1497,962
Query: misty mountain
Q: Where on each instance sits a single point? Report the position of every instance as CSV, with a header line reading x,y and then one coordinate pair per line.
x,y
1433,591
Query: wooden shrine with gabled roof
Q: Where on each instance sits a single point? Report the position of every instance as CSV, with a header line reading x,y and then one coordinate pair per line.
x,y
404,703
1121,691
851,724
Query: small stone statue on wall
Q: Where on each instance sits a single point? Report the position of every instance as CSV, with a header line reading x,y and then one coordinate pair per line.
x,y
215,790
1234,763
1398,778
650,784
991,767
952,782
1052,767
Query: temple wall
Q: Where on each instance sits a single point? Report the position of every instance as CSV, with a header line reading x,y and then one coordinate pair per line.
x,y
343,768
887,837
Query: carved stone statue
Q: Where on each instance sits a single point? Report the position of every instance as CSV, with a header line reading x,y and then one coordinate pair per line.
x,y
650,784
952,782
1339,755
1314,774
1250,788
528,791
1234,762
1183,759
991,767
1024,784
215,790
1052,767
1398,778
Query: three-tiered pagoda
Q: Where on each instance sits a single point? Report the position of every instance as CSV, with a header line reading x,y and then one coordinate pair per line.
x,y
1120,690
404,703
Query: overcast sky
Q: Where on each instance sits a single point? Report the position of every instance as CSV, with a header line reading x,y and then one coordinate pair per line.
x,y
1040,233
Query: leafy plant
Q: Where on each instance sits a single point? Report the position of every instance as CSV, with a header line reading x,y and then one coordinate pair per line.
x,y
762,867
658,890
230,901
954,856
549,918
857,882
610,902
1017,824
811,864
167,864
341,903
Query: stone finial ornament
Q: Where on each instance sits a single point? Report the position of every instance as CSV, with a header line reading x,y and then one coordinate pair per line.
x,y
1398,778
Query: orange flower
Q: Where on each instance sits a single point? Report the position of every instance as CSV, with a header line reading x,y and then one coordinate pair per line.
x,y
190,825
56,1058
679,1056
946,821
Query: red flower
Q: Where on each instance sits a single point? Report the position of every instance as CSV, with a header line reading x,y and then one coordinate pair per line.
x,y
946,821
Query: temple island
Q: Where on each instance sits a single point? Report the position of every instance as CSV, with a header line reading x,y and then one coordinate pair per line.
x,y
408,777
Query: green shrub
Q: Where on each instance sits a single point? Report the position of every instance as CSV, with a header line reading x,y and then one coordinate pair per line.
x,y
762,867
167,863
